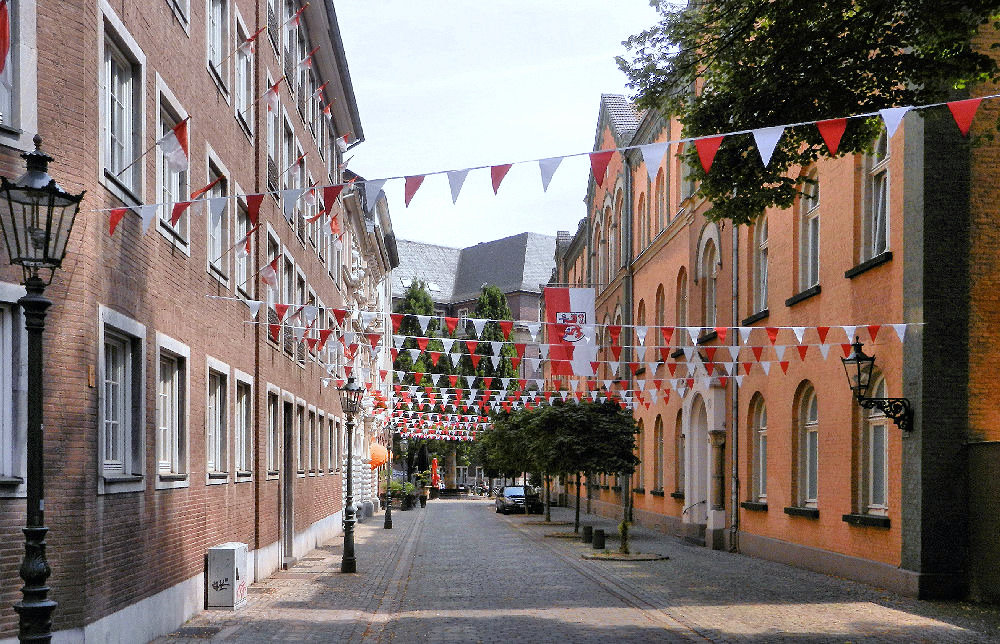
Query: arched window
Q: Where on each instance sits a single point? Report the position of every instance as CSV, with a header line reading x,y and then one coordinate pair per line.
x,y
874,485
639,450
643,239
618,252
660,200
758,440
809,233
679,453
681,310
598,256
608,244
760,265
658,456
808,435
709,274
640,316
659,305
875,226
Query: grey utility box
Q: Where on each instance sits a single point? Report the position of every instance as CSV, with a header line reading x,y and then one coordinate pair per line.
x,y
227,576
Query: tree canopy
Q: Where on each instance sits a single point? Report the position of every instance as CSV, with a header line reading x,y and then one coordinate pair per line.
x,y
758,63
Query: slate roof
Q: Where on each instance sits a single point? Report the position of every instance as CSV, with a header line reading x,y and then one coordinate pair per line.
x,y
516,263
623,114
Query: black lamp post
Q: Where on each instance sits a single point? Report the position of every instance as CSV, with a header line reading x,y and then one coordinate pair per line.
x,y
388,484
36,218
350,402
858,367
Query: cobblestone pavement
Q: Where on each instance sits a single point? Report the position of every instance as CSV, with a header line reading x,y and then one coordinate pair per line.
x,y
457,572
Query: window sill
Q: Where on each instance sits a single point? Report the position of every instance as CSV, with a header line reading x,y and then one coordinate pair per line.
x,y
121,483
677,353
118,188
639,490
804,295
657,492
218,478
708,337
677,495
175,238
754,506
867,520
172,477
243,476
756,317
124,478
878,260
808,513
218,276
10,481
219,83
247,129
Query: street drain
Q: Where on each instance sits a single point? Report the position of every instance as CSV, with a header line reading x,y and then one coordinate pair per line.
x,y
199,632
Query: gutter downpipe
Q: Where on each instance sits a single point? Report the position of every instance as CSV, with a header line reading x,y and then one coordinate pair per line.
x,y
734,544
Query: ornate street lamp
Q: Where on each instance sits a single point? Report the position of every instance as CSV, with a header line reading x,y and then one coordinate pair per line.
x,y
36,218
350,402
858,367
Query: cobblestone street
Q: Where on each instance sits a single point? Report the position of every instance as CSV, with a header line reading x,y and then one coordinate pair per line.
x,y
458,572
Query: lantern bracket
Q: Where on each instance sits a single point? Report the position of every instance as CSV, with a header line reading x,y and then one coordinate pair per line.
x,y
898,410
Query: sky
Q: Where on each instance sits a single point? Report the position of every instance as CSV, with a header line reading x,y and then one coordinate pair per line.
x,y
449,84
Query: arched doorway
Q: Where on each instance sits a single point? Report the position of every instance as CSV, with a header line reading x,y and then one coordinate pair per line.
x,y
696,483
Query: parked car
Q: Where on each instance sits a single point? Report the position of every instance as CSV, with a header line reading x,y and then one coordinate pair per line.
x,y
519,498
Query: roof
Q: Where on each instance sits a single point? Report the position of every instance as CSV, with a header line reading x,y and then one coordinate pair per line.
x,y
517,263
623,114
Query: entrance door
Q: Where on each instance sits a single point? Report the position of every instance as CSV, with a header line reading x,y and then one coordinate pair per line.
x,y
287,486
696,494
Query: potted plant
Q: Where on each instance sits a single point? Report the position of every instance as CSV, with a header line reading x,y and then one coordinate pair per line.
x,y
423,480
408,497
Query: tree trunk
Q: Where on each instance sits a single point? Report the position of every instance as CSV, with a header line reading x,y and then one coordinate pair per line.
x,y
590,493
548,497
576,525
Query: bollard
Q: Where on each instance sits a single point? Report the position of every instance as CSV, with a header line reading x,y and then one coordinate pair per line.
x,y
588,533
598,539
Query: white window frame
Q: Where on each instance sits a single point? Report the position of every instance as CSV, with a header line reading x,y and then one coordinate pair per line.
x,y
658,453
243,427
222,439
877,202
13,393
808,450
20,123
321,441
116,40
242,264
243,82
760,264
313,452
178,475
179,235
809,234
182,11
274,432
758,428
875,421
219,270
132,478
333,444
218,30
299,426
709,274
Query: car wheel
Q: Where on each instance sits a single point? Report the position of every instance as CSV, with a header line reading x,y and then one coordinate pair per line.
x,y
498,509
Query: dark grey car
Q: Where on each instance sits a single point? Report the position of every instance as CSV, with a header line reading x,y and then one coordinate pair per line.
x,y
517,498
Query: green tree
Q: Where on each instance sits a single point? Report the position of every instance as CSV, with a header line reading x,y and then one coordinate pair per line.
x,y
767,63
492,305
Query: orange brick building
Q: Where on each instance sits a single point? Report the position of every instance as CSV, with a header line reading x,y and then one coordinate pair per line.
x,y
173,421
778,460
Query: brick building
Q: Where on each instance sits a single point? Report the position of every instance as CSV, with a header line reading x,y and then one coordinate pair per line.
x,y
175,421
783,464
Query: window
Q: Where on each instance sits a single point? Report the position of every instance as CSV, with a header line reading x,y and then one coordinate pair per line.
x,y
217,224
679,447
313,443
122,101
288,297
709,275
658,456
171,410
300,440
12,418
11,64
760,265
173,182
644,236
875,449
218,39
876,216
243,428
688,182
659,305
339,449
273,250
681,339
809,234
660,200
216,425
758,438
331,445
273,145
598,258
618,226
640,444
244,82
273,432
808,449
290,43
242,257
121,365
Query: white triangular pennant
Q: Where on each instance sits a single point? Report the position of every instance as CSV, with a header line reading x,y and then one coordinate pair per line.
x,y
148,213
640,334
766,366
372,188
288,199
745,333
215,207
900,330
478,325
533,329
254,306
424,320
652,157
455,180
779,350
893,116
548,168
824,349
766,139
693,331
448,343
495,347
798,331
849,332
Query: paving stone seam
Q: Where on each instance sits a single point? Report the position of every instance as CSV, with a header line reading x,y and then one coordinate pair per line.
x,y
614,585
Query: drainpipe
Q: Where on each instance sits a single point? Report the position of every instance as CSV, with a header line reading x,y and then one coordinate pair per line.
x,y
628,284
734,385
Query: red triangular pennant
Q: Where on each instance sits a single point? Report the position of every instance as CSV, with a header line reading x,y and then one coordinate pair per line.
x,y
497,173
784,366
116,216
599,164
873,330
397,319
410,187
821,331
756,352
707,147
667,332
832,130
964,112
451,323
802,350
422,343
506,326
475,357
722,331
772,333
435,356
